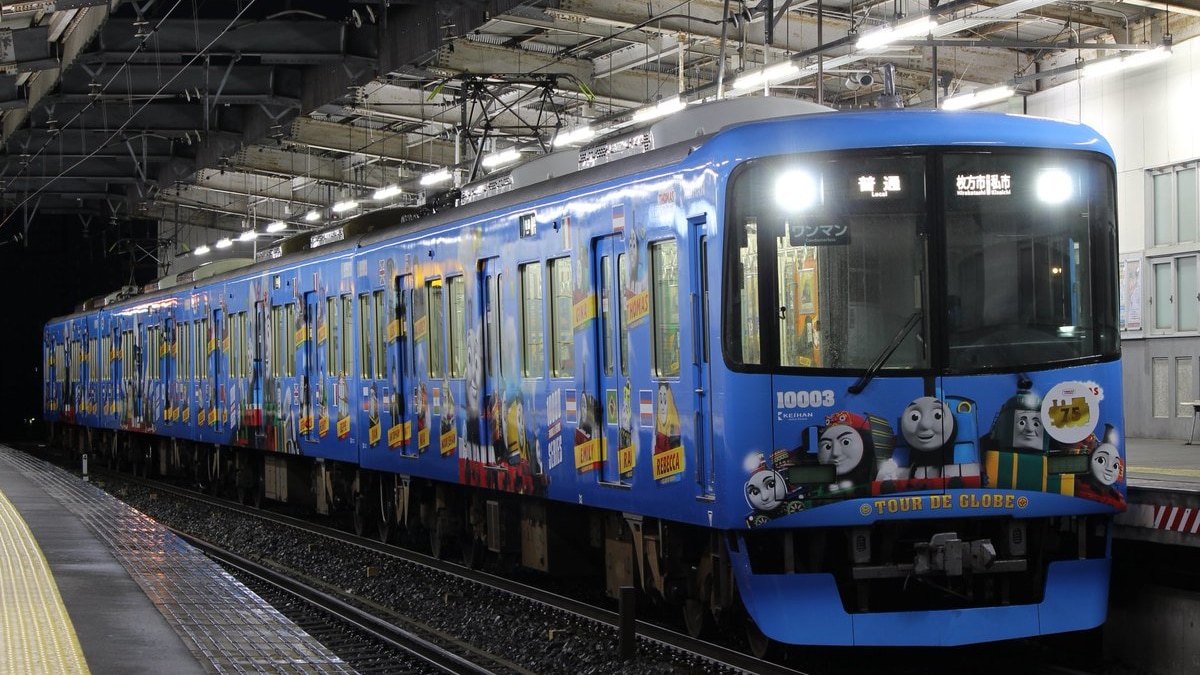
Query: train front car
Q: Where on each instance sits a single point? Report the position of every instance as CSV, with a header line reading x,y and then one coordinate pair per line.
x,y
919,320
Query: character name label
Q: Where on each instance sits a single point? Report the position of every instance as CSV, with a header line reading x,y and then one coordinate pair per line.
x,y
972,500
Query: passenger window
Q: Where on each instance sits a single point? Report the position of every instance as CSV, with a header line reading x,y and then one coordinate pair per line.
x,y
457,324
562,356
664,301
531,320
437,326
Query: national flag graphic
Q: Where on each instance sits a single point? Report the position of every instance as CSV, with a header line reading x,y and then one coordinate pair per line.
x,y
572,407
646,407
618,218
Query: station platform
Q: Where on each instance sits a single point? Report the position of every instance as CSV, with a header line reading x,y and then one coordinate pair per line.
x,y
1163,477
89,585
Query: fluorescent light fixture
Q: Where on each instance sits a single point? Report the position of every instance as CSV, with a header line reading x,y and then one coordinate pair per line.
x,y
280,226
224,242
758,78
577,135
1119,63
436,177
386,192
661,109
980,97
248,235
311,216
201,250
342,207
885,35
498,158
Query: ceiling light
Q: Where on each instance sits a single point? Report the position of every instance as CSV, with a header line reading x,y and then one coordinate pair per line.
x,y
278,226
202,249
341,207
881,37
661,109
758,78
312,216
974,98
248,235
577,135
224,242
386,192
498,158
1118,63
436,177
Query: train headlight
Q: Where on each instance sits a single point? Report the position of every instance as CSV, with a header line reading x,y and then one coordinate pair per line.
x,y
1054,186
797,191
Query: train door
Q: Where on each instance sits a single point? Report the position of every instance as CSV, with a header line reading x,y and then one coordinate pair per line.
x,y
258,374
489,366
705,469
400,355
611,282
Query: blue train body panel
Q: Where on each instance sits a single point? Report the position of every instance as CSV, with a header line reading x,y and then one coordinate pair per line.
x,y
574,346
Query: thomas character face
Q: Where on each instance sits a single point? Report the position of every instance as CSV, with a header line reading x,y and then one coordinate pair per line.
x,y
926,423
842,447
765,490
1106,464
662,405
1027,430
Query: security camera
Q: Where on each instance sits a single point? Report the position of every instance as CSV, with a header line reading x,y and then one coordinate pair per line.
x,y
857,81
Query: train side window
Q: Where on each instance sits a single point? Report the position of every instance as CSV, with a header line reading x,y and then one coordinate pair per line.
x,y
562,355
366,334
289,339
346,366
746,295
381,333
437,326
456,296
664,306
335,330
274,353
205,347
532,332
106,357
492,362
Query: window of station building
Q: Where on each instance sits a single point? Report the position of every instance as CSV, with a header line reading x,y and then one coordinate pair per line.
x,y
1175,209
562,354
456,297
1173,294
347,352
437,326
381,333
532,331
664,306
366,335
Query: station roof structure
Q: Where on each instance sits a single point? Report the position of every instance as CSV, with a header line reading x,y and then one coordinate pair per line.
x,y
233,115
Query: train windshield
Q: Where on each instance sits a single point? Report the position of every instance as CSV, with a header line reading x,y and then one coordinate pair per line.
x,y
959,261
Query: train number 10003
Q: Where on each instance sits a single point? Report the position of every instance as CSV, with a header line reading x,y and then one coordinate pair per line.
x,y
804,399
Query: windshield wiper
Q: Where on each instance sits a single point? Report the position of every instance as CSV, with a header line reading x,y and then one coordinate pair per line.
x,y
884,355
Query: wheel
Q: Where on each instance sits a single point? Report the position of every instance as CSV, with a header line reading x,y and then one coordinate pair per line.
x,y
758,644
387,511
361,516
473,552
695,617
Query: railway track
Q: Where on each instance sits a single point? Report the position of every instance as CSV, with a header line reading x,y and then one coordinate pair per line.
x,y
572,621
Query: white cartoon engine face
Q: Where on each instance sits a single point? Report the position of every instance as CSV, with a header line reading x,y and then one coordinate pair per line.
x,y
765,489
1106,464
1027,430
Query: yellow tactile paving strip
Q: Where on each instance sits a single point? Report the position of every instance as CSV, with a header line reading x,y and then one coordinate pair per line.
x,y
38,637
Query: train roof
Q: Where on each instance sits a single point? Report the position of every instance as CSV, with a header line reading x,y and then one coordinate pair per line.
x,y
662,143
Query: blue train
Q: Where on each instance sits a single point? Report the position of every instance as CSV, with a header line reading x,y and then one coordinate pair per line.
x,y
850,378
